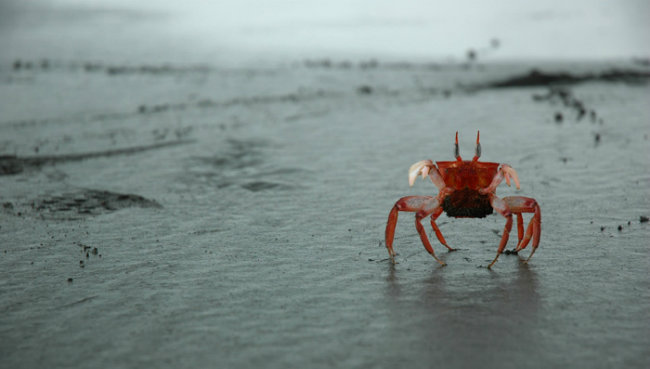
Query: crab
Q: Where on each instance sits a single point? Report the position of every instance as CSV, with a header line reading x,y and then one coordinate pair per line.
x,y
467,189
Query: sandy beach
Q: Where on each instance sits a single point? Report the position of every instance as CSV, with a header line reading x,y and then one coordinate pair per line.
x,y
181,212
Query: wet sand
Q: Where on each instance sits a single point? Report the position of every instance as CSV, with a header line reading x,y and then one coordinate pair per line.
x,y
192,215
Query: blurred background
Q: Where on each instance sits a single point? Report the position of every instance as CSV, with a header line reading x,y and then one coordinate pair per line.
x,y
250,30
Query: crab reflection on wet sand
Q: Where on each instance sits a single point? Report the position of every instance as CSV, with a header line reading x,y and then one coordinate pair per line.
x,y
467,189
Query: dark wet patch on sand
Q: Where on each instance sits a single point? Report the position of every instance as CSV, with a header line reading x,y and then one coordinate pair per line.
x,y
75,205
558,89
536,78
240,154
257,186
372,64
245,164
205,103
246,101
11,164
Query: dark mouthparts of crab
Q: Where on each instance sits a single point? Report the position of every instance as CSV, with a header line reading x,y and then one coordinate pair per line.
x,y
467,203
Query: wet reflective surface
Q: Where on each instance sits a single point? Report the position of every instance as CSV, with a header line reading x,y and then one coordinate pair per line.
x,y
258,241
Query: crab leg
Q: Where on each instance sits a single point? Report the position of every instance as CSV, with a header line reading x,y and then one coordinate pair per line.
x,y
502,208
423,206
435,216
520,228
520,204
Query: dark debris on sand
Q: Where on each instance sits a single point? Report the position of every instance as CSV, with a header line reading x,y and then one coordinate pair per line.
x,y
566,97
111,70
88,202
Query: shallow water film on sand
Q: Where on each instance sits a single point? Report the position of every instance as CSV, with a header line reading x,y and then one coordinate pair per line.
x,y
194,214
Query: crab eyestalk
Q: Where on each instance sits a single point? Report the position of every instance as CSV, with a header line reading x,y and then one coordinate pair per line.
x,y
477,153
456,149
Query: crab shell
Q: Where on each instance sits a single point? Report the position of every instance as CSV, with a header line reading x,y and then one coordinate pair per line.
x,y
466,178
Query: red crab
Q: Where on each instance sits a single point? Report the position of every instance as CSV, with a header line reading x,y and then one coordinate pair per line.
x,y
467,190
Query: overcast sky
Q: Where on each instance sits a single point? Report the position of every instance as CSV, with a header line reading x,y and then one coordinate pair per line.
x,y
550,29
540,29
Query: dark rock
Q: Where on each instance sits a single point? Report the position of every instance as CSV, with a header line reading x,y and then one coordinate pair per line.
x,y
364,90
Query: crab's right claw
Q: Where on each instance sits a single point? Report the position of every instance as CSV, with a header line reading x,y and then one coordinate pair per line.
x,y
420,168
510,174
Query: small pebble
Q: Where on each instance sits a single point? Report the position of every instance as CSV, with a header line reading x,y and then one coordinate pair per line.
x,y
620,227
364,90
70,280
602,229
643,219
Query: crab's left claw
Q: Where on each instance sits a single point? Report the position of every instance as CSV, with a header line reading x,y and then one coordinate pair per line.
x,y
509,173
421,167
505,172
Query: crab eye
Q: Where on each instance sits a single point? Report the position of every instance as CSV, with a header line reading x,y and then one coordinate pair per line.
x,y
456,149
478,150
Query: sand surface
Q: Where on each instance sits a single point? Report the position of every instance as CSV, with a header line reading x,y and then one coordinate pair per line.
x,y
183,215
